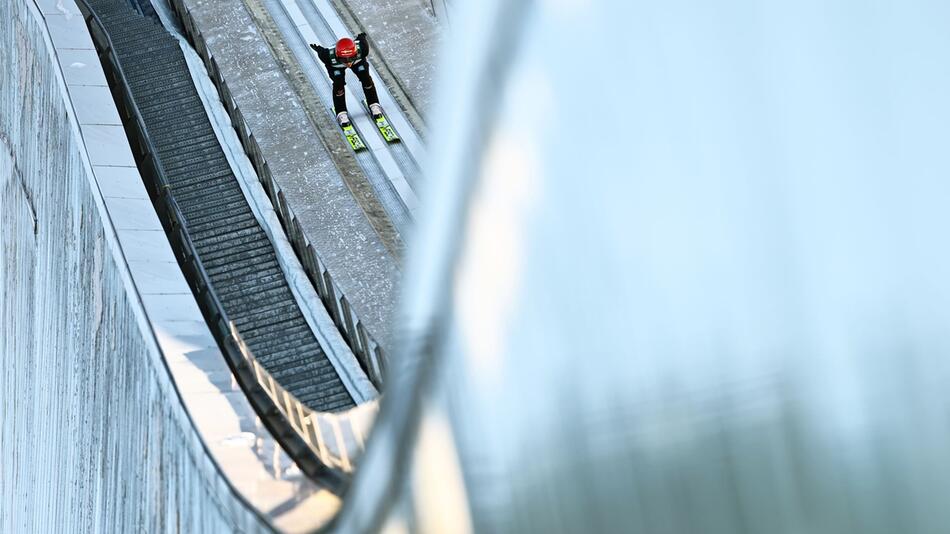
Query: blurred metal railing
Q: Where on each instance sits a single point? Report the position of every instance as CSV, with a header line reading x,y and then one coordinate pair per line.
x,y
368,351
284,418
329,445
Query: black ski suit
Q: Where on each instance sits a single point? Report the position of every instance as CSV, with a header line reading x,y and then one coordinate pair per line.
x,y
337,71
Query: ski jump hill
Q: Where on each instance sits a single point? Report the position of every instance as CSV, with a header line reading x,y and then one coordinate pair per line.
x,y
725,311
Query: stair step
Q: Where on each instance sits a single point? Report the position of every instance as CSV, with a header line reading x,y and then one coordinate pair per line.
x,y
181,144
146,48
267,317
171,86
251,249
245,277
215,231
239,220
305,347
285,360
176,160
160,64
197,160
199,214
262,299
200,220
261,264
287,331
223,245
185,181
171,106
208,196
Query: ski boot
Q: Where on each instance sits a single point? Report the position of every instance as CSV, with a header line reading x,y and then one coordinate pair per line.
x,y
382,124
344,119
353,138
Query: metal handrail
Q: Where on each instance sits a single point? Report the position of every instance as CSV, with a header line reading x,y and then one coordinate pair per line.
x,y
237,355
302,418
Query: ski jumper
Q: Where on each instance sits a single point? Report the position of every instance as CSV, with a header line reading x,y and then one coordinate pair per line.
x,y
336,68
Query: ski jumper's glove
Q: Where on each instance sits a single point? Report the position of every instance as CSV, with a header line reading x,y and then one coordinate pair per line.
x,y
322,53
362,44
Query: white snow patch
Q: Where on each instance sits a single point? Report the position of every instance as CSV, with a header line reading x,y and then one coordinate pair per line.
x,y
243,439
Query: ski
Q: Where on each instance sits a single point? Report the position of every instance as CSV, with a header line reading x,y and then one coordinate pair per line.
x,y
353,138
385,129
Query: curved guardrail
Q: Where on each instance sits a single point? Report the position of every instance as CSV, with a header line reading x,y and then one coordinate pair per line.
x,y
367,350
257,386
331,447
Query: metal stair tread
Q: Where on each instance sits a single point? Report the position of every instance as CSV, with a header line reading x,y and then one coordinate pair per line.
x,y
307,375
196,167
180,103
337,401
261,338
169,141
196,204
168,130
186,183
133,29
202,194
188,125
241,307
216,246
284,368
267,318
322,398
198,223
238,274
244,276
260,263
246,228
250,249
182,151
172,85
135,50
161,65
174,160
307,382
231,279
284,349
299,329
207,225
285,360
161,95
217,158
200,213
233,295
239,236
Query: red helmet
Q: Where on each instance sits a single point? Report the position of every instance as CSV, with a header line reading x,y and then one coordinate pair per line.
x,y
345,49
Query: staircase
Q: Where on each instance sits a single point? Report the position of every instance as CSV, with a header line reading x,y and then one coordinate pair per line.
x,y
233,248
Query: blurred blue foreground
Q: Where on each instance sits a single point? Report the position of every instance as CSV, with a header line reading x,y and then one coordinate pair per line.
x,y
683,269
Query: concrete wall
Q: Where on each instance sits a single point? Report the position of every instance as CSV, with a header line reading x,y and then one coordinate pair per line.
x,y
93,435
